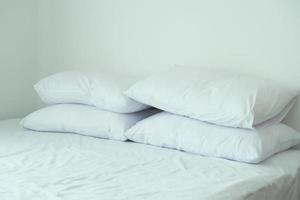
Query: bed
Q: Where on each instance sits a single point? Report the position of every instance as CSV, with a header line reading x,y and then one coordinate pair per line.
x,y
54,166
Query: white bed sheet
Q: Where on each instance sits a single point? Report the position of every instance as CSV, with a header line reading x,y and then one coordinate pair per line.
x,y
54,166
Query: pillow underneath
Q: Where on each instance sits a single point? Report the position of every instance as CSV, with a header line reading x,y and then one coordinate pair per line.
x,y
178,132
82,119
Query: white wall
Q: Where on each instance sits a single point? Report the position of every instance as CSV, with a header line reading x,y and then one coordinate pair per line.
x,y
147,35
143,36
17,57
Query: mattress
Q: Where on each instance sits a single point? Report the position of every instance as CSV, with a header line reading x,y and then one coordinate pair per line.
x,y
55,166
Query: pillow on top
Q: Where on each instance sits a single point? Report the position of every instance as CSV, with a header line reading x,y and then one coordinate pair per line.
x,y
84,120
190,135
217,97
102,90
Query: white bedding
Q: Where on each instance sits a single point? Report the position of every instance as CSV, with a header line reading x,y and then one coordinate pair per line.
x,y
51,166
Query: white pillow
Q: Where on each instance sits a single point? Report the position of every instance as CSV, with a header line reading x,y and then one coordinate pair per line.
x,y
103,90
213,96
82,119
190,135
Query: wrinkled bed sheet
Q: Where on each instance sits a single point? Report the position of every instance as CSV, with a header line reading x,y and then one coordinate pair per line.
x,y
54,166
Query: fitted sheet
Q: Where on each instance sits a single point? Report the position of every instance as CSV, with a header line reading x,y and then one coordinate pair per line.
x,y
54,166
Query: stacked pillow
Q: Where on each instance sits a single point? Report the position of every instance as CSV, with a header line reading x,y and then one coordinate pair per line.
x,y
206,112
102,90
215,113
88,104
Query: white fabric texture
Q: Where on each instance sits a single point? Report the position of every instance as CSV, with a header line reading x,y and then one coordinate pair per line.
x,y
47,166
190,135
103,90
83,119
217,97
